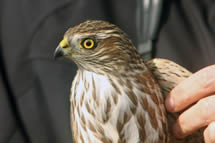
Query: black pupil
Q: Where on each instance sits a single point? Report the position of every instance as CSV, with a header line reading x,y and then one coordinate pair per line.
x,y
88,43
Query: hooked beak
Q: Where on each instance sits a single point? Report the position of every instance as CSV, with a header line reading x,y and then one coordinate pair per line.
x,y
60,52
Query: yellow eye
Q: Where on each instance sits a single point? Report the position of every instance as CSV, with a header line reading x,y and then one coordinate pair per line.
x,y
88,43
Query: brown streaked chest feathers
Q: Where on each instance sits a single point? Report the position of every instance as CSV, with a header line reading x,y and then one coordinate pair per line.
x,y
124,109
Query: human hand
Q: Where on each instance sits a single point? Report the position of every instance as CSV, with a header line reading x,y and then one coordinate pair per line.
x,y
199,89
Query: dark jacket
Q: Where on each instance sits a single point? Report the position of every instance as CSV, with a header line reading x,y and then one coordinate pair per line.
x,y
34,89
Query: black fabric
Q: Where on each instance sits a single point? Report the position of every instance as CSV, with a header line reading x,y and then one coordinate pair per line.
x,y
34,89
10,125
187,33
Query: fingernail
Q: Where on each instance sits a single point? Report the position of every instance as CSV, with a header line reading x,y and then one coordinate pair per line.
x,y
170,104
212,131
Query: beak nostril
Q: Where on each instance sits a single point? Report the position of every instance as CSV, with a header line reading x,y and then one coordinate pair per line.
x,y
63,44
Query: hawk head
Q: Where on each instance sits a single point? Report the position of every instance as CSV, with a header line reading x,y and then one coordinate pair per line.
x,y
98,46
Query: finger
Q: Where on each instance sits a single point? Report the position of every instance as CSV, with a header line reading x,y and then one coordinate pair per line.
x,y
196,117
197,86
209,133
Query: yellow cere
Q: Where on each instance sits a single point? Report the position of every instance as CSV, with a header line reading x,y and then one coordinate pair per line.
x,y
63,43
